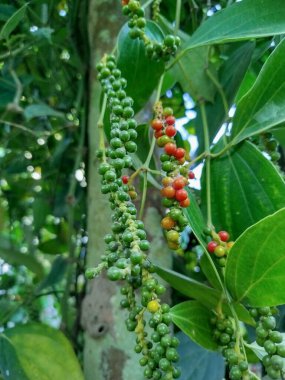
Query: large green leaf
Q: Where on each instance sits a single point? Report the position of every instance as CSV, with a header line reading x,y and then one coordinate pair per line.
x,y
246,186
142,73
255,266
231,76
194,320
12,22
198,363
195,218
37,351
264,105
207,296
242,20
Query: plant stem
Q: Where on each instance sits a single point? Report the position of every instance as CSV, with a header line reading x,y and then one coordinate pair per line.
x,y
220,90
19,126
207,163
100,125
143,196
177,17
147,3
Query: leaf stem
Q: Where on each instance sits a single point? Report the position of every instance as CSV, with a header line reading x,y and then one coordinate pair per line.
x,y
100,125
207,163
143,196
220,90
177,16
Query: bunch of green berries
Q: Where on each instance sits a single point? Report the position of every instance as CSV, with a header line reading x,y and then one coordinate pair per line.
x,y
126,246
268,337
137,23
224,335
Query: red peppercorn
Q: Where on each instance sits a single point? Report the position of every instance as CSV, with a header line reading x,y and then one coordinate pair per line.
x,y
211,246
179,183
185,203
170,131
168,192
191,175
180,153
157,124
125,179
170,120
158,134
170,149
224,235
181,195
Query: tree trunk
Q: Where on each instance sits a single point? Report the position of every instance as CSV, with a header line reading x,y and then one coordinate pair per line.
x,y
108,346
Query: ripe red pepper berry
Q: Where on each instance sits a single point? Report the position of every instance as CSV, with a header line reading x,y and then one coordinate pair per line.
x,y
180,153
125,179
170,120
185,203
191,175
157,124
170,149
170,131
179,183
224,235
181,195
211,246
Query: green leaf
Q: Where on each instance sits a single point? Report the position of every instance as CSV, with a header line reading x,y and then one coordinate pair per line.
x,y
13,22
195,218
142,73
39,110
56,273
264,105
190,72
207,296
53,246
242,20
230,77
246,186
194,320
27,351
198,363
10,253
256,263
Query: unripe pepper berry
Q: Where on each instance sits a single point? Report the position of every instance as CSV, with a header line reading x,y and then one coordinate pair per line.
x,y
153,306
220,251
167,181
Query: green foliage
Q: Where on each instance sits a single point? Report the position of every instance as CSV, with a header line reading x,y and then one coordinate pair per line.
x,y
18,359
256,263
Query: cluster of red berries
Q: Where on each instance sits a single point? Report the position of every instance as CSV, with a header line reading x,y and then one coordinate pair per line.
x,y
220,245
173,159
174,189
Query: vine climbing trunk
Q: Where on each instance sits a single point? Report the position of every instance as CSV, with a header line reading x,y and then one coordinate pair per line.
x,y
106,355
108,347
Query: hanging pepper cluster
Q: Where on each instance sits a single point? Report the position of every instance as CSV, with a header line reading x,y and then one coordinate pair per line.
x,y
126,256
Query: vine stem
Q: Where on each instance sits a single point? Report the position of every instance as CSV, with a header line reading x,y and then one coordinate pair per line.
x,y
220,90
239,339
207,163
150,153
177,16
19,126
100,125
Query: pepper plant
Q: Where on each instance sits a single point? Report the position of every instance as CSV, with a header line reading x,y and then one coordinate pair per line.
x,y
192,109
